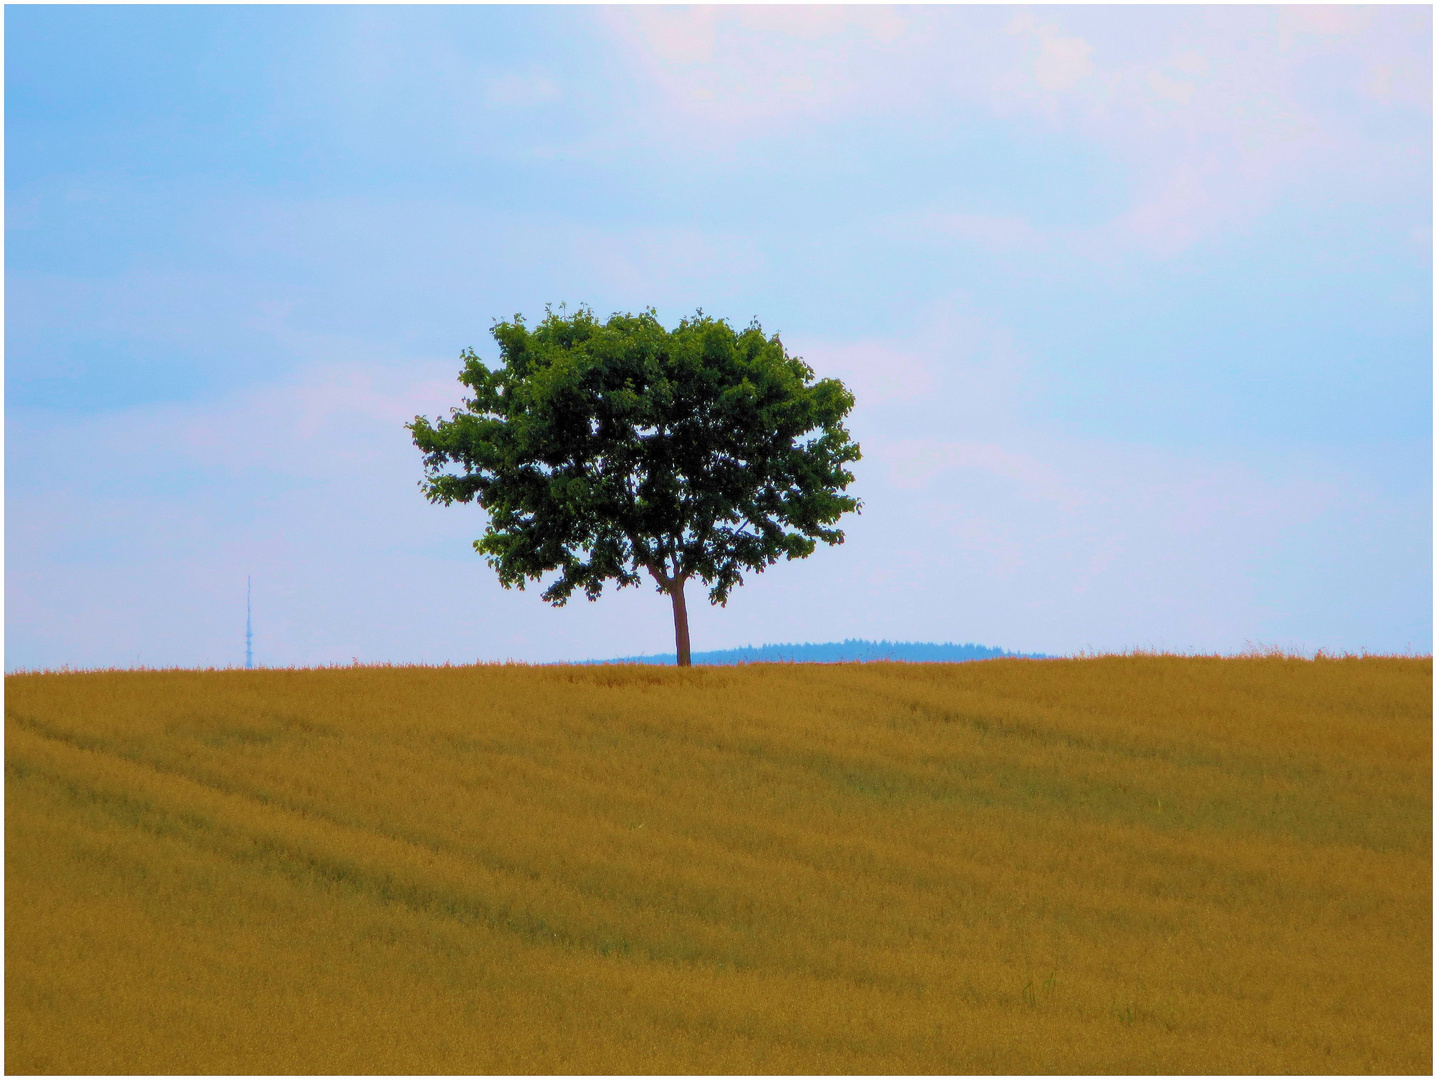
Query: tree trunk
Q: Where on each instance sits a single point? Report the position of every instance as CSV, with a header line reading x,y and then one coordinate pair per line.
x,y
681,621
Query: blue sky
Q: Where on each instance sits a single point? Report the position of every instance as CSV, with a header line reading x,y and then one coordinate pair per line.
x,y
1136,302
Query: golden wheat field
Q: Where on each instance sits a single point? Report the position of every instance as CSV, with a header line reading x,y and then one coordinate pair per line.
x,y
1125,864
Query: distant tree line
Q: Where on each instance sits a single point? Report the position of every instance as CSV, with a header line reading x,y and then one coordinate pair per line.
x,y
852,650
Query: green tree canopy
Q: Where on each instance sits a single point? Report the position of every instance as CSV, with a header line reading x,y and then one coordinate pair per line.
x,y
603,450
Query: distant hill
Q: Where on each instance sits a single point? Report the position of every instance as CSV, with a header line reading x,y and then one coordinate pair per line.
x,y
833,652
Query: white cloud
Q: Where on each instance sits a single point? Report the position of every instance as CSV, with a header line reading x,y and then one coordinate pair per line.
x,y
741,66
1217,113
1061,62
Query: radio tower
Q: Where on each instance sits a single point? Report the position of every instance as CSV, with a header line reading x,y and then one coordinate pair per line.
x,y
248,628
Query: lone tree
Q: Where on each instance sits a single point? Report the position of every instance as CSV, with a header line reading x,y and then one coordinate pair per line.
x,y
601,450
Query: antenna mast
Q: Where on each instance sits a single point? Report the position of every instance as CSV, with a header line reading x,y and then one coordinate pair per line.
x,y
248,627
